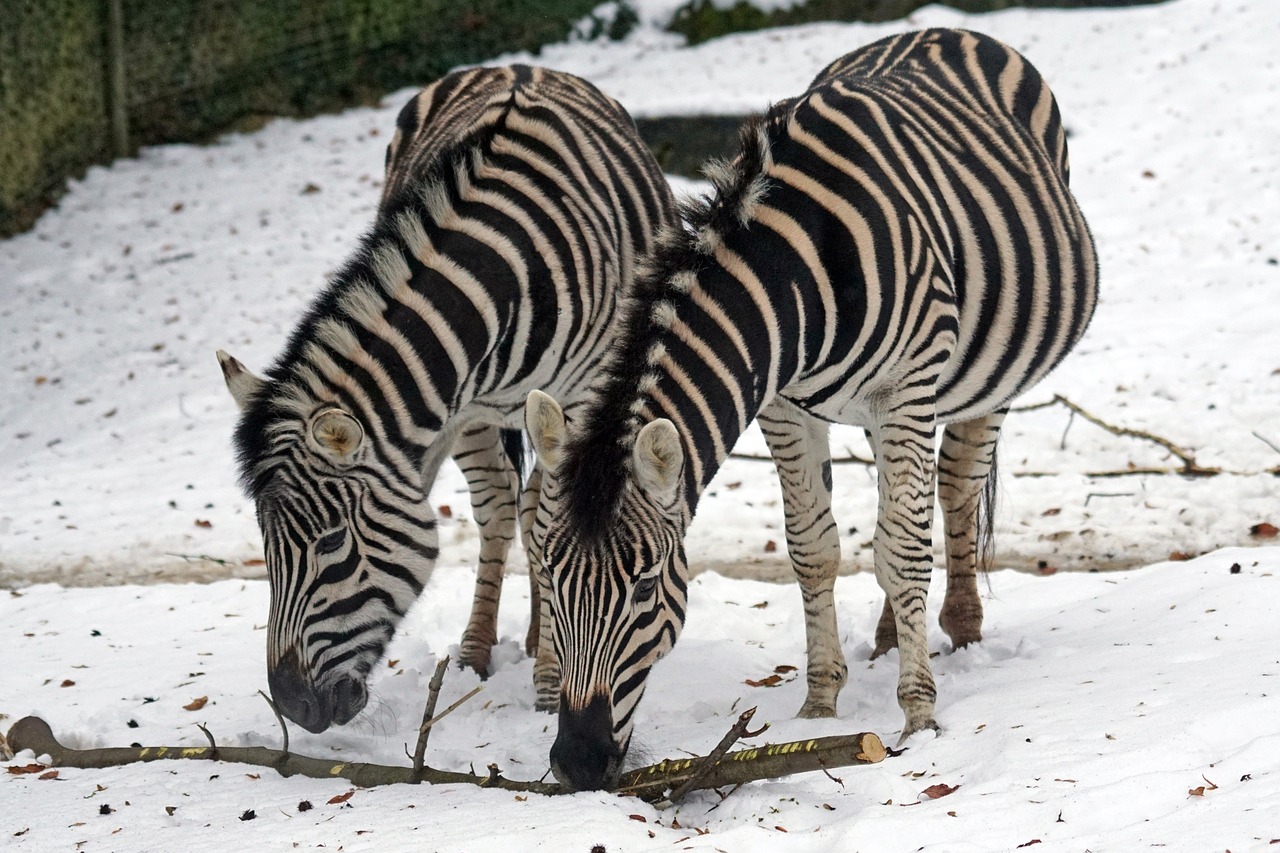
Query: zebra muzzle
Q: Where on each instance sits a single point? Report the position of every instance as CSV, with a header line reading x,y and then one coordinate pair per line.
x,y
315,709
585,756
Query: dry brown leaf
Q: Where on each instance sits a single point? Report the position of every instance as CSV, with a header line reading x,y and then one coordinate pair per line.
x,y
768,681
49,774
197,703
67,682
1029,843
1265,530
200,522
941,789
1180,556
341,798
784,669
770,546
638,817
27,768
1052,511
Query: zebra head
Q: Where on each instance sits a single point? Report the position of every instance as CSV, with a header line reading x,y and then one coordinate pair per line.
x,y
349,544
619,594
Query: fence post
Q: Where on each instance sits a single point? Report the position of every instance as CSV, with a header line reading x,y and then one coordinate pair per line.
x,y
116,93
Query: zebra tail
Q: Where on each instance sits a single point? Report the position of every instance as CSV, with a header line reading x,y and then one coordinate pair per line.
x,y
520,452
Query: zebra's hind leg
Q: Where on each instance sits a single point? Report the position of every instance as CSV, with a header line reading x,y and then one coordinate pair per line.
x,y
903,551
798,443
493,482
965,461
886,628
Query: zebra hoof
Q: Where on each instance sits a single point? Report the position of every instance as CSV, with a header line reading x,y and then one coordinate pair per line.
x,y
929,724
883,647
815,710
963,628
477,663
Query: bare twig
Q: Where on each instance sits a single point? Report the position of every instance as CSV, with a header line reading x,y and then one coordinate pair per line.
x,y
1106,495
648,783
738,731
1265,441
426,727
208,735
1062,443
424,732
1189,465
280,719
192,557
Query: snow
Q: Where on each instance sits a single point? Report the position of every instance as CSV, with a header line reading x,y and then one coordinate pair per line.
x,y
1100,698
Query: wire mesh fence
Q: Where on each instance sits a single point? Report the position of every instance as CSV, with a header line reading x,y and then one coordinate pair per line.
x,y
82,81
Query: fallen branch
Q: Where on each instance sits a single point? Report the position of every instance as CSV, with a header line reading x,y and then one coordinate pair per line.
x,y
648,783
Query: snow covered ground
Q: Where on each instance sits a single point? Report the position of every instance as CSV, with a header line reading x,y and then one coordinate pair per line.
x,y
1098,698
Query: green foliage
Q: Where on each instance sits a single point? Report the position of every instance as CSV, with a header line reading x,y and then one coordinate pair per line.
x,y
194,68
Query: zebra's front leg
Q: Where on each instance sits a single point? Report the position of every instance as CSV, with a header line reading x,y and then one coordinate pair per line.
x,y
494,487
540,640
902,545
528,512
966,460
802,456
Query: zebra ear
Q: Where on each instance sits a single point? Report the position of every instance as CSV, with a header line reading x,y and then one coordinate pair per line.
x,y
242,384
657,460
544,420
337,434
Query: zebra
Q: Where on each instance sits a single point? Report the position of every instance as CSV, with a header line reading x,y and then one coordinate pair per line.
x,y
896,248
516,203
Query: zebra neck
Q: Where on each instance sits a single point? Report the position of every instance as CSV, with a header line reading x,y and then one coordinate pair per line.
x,y
405,339
727,346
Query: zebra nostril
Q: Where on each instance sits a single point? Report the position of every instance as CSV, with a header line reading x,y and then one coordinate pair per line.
x,y
297,699
349,698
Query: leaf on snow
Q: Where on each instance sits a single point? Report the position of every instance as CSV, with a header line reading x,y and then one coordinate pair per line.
x,y
768,681
196,703
341,798
1265,530
1029,843
941,789
28,768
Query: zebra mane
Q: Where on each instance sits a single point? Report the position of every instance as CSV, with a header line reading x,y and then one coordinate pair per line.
x,y
597,458
359,290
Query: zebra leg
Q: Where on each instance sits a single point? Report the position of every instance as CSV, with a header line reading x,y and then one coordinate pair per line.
x,y
528,512
902,545
964,463
546,666
886,629
493,482
798,443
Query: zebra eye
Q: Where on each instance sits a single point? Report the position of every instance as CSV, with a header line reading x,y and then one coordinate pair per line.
x,y
645,588
331,542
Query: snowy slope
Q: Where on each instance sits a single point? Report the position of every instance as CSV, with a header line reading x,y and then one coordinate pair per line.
x,y
115,466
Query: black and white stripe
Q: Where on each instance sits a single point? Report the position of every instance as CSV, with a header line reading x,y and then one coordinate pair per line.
x,y
896,248
516,203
